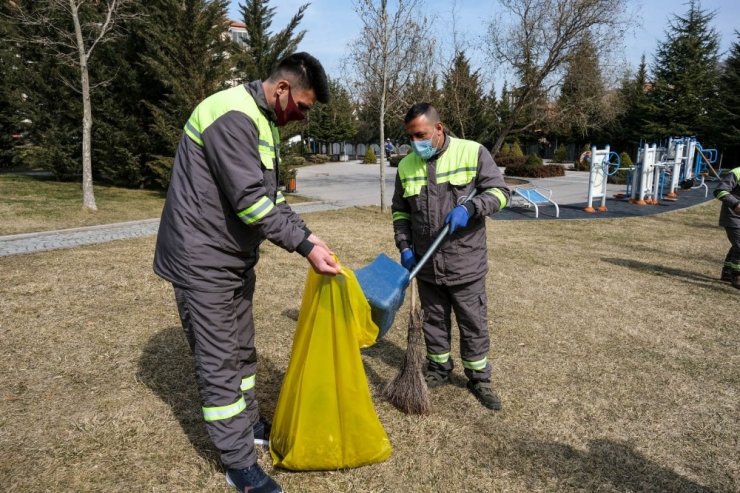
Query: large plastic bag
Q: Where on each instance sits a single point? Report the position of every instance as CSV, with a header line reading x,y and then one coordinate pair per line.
x,y
325,417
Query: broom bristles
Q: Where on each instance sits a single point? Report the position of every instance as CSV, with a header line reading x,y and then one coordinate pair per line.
x,y
408,390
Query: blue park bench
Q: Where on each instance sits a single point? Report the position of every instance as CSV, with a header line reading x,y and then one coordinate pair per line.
x,y
534,196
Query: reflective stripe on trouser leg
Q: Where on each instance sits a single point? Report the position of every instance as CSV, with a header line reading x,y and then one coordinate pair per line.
x,y
222,333
437,322
733,255
470,305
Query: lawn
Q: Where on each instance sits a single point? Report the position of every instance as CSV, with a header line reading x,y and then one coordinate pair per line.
x,y
30,204
615,353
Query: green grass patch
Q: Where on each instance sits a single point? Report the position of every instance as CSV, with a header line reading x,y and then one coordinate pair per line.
x,y
31,204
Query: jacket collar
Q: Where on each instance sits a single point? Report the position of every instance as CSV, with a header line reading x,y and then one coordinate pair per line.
x,y
258,93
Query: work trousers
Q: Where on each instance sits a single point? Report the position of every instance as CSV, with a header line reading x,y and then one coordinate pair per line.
x,y
469,303
220,331
732,260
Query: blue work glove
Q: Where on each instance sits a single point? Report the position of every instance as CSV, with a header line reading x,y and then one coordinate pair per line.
x,y
457,218
408,259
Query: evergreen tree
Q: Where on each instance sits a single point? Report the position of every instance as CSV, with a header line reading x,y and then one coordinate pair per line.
x,y
686,77
335,121
462,106
185,58
582,105
730,107
631,126
265,49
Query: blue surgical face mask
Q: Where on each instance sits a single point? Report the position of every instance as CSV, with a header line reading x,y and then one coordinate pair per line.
x,y
423,148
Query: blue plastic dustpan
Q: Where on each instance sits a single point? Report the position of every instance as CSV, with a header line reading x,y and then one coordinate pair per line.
x,y
384,283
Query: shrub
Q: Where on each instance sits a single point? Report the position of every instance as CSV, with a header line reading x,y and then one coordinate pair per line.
x,y
286,173
619,178
291,161
505,150
317,158
506,160
395,159
370,157
533,160
625,159
536,171
584,165
516,150
560,154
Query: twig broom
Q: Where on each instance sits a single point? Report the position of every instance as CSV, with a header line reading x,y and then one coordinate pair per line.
x,y
408,390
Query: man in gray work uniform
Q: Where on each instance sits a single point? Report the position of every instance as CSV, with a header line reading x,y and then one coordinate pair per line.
x,y
223,201
431,185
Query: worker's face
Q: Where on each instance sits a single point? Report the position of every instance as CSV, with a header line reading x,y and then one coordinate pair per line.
x,y
292,104
420,128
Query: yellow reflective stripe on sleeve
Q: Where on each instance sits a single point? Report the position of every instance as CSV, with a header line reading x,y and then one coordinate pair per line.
x,y
734,266
256,211
248,383
475,365
193,133
279,199
723,193
219,413
499,195
401,216
438,358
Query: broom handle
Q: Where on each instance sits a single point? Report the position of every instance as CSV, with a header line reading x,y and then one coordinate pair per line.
x,y
437,242
414,295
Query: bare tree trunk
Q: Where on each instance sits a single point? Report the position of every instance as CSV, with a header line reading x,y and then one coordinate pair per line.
x,y
383,95
88,196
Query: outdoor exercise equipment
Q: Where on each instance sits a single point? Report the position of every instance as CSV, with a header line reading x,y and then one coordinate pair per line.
x,y
604,163
384,281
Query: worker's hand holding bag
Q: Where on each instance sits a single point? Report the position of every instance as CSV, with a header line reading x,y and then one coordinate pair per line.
x,y
325,417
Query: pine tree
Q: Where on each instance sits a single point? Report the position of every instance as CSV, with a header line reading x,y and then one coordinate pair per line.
x,y
335,121
686,77
265,49
582,104
185,58
730,106
462,99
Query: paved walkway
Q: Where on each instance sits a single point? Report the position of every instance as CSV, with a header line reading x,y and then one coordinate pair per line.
x,y
340,185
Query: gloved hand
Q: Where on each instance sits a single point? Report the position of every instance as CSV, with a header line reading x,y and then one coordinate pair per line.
x,y
457,218
408,259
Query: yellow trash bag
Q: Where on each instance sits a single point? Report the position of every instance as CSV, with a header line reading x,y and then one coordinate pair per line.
x,y
325,417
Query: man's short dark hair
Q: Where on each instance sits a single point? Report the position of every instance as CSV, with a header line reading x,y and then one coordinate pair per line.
x,y
307,73
419,109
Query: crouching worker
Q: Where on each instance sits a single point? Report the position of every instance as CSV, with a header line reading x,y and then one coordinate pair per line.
x,y
431,185
222,203
728,191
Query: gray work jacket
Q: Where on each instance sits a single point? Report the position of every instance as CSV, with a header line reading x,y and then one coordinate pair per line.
x,y
202,243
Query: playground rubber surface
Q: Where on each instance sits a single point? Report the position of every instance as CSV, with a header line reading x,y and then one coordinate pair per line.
x,y
616,208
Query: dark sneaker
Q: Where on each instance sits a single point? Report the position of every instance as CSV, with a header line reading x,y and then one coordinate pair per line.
x,y
436,378
736,281
483,392
252,480
261,432
726,274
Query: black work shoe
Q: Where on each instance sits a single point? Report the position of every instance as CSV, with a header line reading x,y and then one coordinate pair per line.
x,y
261,431
483,392
736,280
726,274
435,378
252,480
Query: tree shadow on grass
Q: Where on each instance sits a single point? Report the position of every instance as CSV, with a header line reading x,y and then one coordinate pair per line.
x,y
166,367
605,466
682,275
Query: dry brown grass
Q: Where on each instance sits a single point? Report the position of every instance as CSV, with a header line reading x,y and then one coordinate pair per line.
x,y
615,354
